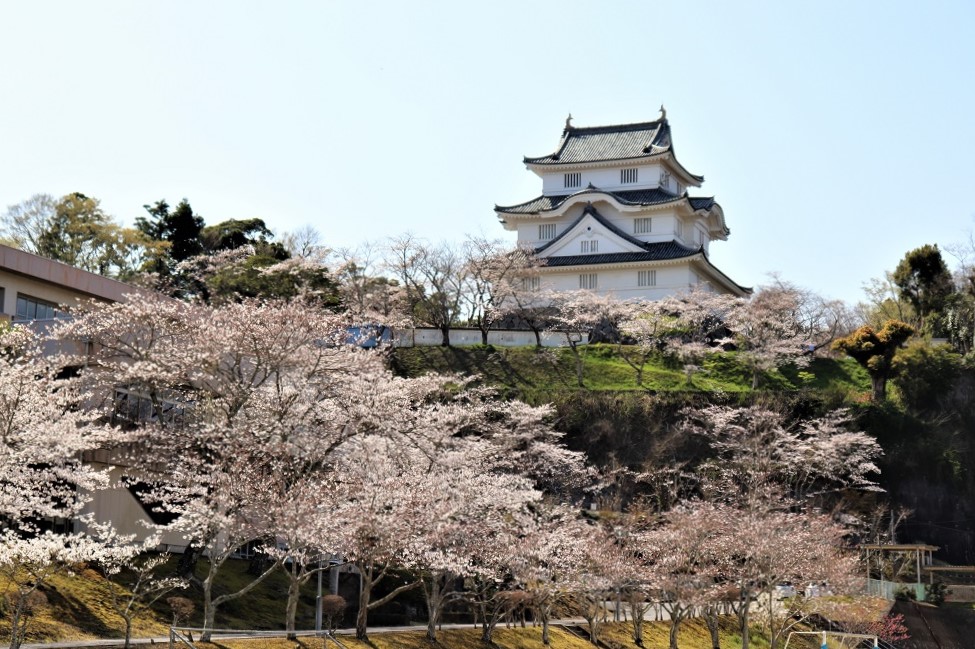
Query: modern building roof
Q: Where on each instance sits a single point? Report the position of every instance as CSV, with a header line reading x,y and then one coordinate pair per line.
x,y
59,274
582,144
655,196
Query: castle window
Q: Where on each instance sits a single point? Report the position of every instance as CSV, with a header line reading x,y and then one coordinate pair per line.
x,y
588,280
589,246
680,189
679,228
546,231
642,226
664,180
573,179
646,278
628,176
530,283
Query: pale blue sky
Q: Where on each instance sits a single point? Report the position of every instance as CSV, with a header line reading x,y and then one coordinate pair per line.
x,y
836,135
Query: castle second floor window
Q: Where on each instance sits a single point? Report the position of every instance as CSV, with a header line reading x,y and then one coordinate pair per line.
x,y
588,246
573,179
642,226
646,278
628,176
531,283
679,228
588,280
31,308
546,231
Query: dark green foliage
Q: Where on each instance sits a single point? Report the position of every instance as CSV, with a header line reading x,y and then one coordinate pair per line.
x,y
255,278
923,280
179,227
233,234
924,374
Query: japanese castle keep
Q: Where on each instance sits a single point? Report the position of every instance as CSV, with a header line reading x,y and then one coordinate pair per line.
x,y
615,215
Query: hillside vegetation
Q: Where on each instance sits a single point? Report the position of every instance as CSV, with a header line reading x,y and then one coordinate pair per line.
x,y
535,374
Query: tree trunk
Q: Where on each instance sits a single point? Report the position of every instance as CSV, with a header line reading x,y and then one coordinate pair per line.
x,y
675,621
18,623
445,331
484,336
362,616
538,336
435,597
879,385
637,612
578,357
209,611
291,609
711,619
546,637
743,621
128,631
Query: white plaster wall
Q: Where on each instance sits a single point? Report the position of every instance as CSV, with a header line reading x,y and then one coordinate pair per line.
x,y
623,282
663,224
648,176
424,337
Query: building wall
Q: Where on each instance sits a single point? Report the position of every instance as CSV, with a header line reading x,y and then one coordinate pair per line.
x,y
623,282
648,176
663,225
118,505
426,337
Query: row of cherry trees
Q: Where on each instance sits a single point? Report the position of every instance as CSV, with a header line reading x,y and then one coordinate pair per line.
x,y
263,426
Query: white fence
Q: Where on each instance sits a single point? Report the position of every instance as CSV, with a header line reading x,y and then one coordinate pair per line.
x,y
426,337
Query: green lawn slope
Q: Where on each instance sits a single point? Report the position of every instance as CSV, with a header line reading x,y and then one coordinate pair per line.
x,y
532,373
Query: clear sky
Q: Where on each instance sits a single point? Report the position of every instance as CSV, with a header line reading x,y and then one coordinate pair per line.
x,y
835,135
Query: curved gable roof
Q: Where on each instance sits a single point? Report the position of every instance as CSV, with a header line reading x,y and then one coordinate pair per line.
x,y
631,142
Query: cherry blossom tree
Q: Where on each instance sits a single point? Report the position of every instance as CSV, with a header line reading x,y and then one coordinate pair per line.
x,y
240,406
493,278
578,313
132,578
767,331
43,435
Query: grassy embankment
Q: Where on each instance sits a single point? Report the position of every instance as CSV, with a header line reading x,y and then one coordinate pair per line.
x,y
533,374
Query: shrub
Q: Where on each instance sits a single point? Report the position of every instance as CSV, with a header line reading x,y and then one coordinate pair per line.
x,y
923,373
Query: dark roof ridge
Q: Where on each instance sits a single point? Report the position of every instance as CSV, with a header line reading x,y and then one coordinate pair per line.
x,y
609,128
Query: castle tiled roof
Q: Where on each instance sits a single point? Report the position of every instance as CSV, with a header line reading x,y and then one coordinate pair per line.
x,y
617,142
632,142
657,252
655,196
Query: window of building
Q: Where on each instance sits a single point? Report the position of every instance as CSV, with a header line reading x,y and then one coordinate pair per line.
x,y
646,278
678,227
628,176
588,280
31,308
665,180
136,408
573,179
531,283
680,189
546,231
588,246
642,226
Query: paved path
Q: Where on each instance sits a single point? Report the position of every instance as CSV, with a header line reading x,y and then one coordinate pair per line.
x,y
164,640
